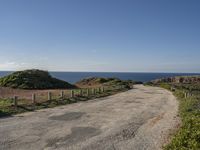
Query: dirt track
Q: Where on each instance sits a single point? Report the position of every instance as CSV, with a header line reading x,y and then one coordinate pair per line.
x,y
137,119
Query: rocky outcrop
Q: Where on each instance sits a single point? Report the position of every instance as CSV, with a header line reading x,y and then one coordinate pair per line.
x,y
179,79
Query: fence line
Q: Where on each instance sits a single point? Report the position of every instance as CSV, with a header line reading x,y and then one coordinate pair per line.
x,y
73,93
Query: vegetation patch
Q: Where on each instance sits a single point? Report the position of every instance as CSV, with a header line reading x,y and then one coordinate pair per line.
x,y
188,94
33,79
97,81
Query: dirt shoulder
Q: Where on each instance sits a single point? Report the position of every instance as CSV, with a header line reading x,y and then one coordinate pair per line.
x,y
141,118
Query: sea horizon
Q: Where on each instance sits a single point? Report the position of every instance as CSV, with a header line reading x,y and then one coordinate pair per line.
x,y
74,76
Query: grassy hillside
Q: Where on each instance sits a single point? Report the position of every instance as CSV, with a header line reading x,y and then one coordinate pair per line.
x,y
188,137
33,79
97,81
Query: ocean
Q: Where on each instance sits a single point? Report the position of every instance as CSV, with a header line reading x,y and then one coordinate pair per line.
x,y
73,77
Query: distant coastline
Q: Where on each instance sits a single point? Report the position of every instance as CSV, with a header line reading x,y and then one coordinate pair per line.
x,y
73,77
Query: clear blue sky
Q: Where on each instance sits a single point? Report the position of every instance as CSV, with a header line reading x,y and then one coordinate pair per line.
x,y
100,35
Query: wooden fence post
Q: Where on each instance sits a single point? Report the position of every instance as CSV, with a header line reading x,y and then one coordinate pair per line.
x,y
102,89
173,89
72,93
93,91
33,98
88,92
15,101
49,95
81,92
185,95
62,95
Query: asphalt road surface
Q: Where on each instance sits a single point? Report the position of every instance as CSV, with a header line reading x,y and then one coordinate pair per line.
x,y
139,119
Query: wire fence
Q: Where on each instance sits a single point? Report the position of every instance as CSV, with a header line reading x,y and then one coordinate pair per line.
x,y
30,97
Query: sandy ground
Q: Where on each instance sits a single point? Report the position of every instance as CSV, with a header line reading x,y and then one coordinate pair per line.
x,y
138,119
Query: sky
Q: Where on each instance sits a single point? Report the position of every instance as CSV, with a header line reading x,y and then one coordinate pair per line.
x,y
100,35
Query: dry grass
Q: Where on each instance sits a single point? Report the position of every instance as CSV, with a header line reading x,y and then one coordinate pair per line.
x,y
25,103
6,93
25,96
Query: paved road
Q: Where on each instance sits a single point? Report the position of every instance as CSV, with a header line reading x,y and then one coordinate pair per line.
x,y
137,119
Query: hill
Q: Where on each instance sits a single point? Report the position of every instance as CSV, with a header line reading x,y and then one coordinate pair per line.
x,y
33,79
97,81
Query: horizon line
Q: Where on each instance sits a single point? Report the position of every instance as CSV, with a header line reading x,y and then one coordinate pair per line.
x,y
103,71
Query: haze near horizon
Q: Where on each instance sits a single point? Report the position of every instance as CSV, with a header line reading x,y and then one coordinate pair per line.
x,y
102,36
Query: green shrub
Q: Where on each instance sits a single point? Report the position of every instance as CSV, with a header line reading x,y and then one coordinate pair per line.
x,y
33,79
